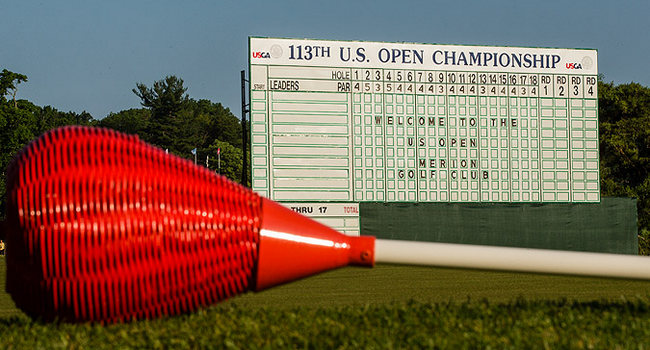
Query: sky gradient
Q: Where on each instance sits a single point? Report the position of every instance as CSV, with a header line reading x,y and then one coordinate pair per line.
x,y
89,55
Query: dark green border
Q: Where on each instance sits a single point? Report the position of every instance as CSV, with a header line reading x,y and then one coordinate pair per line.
x,y
608,226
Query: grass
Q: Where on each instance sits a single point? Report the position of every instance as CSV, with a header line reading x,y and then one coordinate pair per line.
x,y
386,284
385,307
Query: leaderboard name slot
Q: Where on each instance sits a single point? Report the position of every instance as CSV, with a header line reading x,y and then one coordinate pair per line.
x,y
310,144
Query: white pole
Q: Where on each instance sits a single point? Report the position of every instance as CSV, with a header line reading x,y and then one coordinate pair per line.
x,y
512,259
219,162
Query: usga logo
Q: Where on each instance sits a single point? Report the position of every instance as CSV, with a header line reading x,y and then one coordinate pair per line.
x,y
573,66
261,54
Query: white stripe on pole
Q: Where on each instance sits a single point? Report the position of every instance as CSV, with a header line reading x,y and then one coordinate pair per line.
x,y
512,259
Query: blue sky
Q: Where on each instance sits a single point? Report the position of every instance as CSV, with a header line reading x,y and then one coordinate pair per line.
x,y
88,55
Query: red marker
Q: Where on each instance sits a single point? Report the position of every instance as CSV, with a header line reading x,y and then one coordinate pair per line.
x,y
101,226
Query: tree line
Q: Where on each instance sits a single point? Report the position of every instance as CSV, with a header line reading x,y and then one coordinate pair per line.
x,y
169,119
172,120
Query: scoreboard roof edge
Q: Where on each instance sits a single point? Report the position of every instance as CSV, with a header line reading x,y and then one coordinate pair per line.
x,y
423,43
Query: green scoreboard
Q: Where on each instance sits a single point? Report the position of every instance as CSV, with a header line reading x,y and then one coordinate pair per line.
x,y
337,123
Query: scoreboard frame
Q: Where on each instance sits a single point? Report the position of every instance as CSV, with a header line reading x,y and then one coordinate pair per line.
x,y
355,121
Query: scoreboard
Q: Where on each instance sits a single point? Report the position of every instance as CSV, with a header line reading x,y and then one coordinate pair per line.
x,y
348,122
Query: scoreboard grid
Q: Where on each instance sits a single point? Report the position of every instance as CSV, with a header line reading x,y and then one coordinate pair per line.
x,y
427,134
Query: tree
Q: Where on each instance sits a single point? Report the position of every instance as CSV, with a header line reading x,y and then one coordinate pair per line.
x,y
9,84
231,159
624,113
209,126
623,101
48,118
213,122
165,99
22,121
180,124
131,121
17,127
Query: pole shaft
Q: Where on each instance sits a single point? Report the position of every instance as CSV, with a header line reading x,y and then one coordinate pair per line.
x,y
244,174
512,259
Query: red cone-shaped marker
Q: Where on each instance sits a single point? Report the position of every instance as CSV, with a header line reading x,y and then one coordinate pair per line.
x,y
103,227
293,246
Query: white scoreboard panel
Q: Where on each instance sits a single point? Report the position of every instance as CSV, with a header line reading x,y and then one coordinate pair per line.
x,y
339,121
344,217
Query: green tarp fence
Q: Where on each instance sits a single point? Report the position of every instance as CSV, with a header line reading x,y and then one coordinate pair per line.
x,y
609,226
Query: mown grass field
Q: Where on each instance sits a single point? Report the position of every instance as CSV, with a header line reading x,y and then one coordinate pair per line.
x,y
384,307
